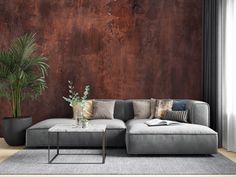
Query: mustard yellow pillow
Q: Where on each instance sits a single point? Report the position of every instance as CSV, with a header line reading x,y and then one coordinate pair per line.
x,y
88,109
162,106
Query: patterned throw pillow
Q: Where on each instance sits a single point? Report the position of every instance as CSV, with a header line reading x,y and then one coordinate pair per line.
x,y
88,109
180,116
162,106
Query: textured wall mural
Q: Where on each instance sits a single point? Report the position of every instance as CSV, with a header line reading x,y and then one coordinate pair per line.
x,y
122,48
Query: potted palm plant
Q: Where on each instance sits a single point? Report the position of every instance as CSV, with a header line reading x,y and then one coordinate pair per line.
x,y
22,75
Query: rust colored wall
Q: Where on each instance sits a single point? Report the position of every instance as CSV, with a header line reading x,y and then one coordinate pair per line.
x,y
122,48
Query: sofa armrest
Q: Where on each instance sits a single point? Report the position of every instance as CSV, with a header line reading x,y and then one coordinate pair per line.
x,y
199,112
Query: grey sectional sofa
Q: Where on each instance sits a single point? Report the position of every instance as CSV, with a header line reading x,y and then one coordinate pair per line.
x,y
125,131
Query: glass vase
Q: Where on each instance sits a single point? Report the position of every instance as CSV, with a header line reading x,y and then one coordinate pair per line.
x,y
77,121
84,123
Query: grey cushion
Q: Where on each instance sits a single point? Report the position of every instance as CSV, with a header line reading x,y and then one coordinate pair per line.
x,y
103,109
128,110
119,110
48,123
138,126
199,112
142,109
110,123
36,138
37,135
180,116
182,138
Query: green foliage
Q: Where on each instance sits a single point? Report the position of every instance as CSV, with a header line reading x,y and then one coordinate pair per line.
x,y
22,73
74,97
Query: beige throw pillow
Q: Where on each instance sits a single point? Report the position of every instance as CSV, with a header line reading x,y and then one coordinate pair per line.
x,y
153,107
88,109
141,109
103,109
162,106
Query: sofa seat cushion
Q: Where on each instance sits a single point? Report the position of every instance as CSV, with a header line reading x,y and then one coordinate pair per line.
x,y
182,138
110,123
48,123
138,126
37,135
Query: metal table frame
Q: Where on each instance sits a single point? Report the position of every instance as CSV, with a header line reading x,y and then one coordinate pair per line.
x,y
50,160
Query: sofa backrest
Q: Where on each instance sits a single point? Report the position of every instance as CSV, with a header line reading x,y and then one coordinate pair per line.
x,y
119,111
123,108
198,111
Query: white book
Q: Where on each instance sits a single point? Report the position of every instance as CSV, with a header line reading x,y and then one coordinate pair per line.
x,y
160,122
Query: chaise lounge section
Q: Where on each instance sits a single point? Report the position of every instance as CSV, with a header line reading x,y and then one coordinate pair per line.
x,y
184,138
37,135
194,137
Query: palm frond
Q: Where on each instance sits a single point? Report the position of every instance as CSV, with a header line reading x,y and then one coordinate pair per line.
x,y
22,72
22,48
4,91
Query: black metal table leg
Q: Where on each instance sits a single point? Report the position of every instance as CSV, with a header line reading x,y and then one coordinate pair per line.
x,y
104,147
57,143
48,147
49,142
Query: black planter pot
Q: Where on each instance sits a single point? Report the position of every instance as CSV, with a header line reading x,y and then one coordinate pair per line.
x,y
14,129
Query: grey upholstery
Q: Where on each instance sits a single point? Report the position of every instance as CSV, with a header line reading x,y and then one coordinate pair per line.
x,y
111,123
183,138
186,138
199,112
119,110
48,123
37,135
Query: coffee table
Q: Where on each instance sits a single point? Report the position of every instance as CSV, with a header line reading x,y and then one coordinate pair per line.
x,y
70,128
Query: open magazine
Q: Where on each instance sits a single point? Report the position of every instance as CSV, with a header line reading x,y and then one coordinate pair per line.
x,y
160,122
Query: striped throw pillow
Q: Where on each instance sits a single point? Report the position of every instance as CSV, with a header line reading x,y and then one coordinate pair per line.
x,y
180,116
